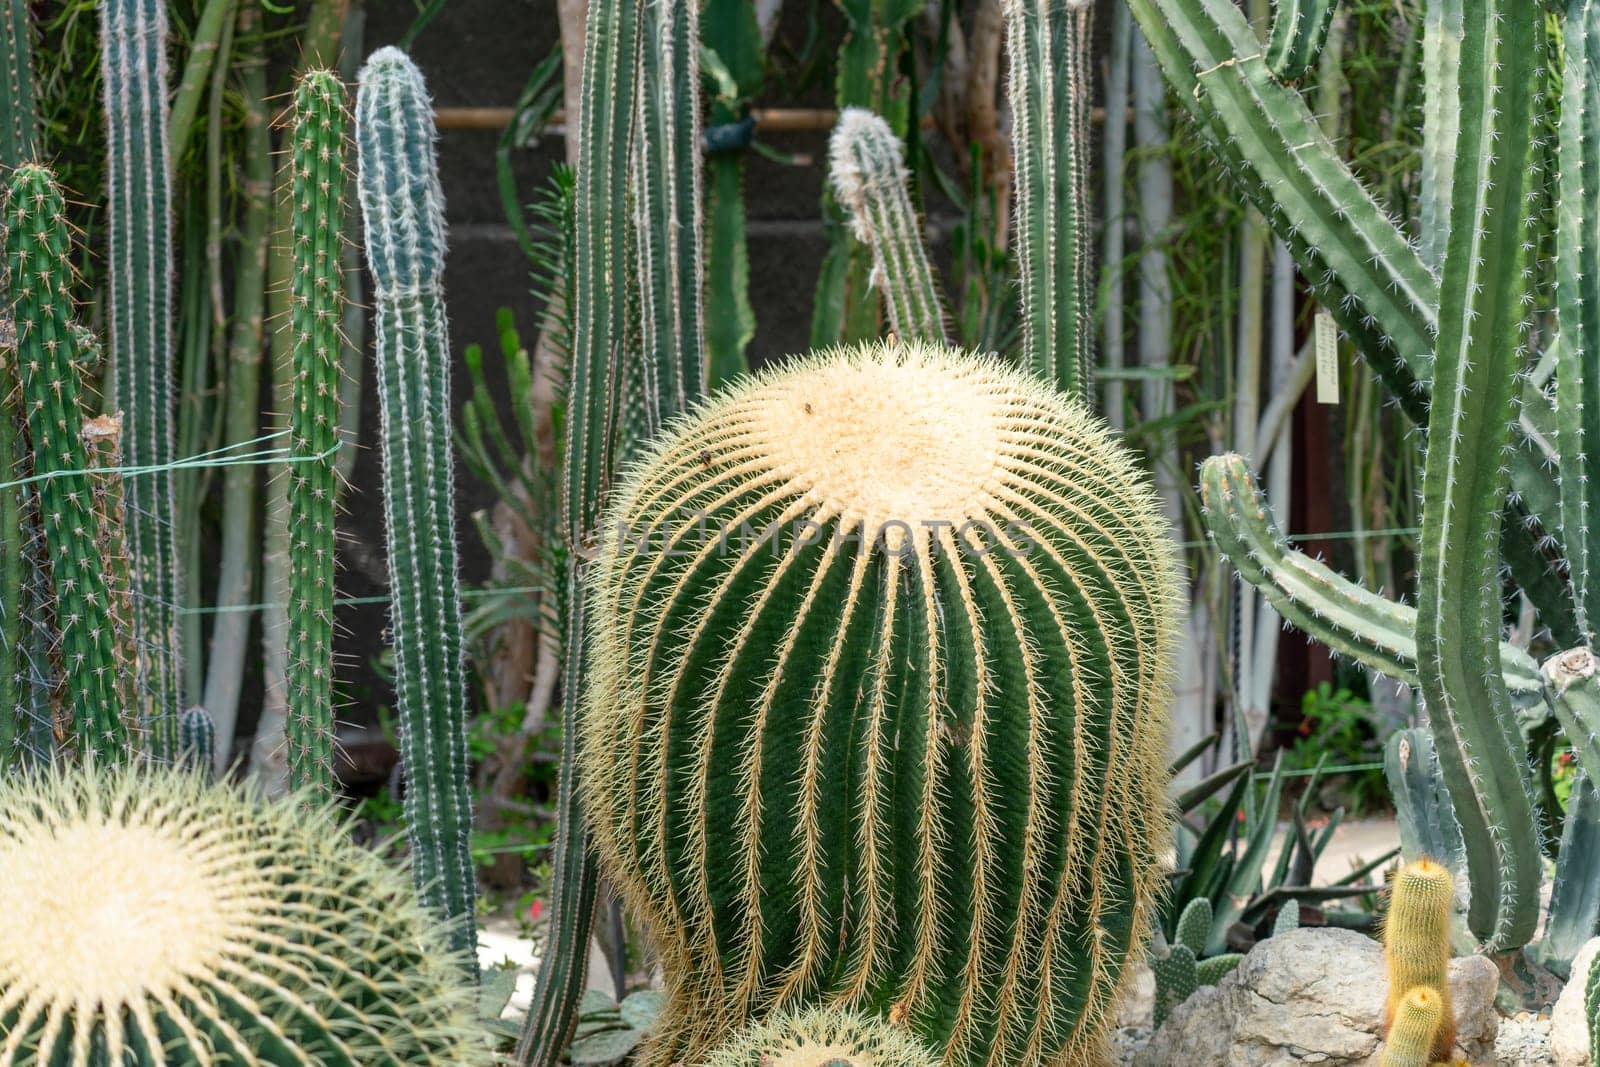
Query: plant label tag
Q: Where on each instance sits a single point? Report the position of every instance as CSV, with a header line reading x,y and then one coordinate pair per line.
x,y
1326,336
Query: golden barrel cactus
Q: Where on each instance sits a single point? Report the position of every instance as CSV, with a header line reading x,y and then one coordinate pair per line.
x,y
880,662
154,920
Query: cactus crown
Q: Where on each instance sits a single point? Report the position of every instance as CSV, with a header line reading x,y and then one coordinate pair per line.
x,y
1416,1023
150,907
822,1037
880,645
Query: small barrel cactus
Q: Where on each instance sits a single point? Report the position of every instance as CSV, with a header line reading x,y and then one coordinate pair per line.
x,y
822,1037
1417,1020
877,714
155,919
1416,945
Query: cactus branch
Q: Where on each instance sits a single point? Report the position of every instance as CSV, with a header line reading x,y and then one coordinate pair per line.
x,y
867,168
1299,27
1049,44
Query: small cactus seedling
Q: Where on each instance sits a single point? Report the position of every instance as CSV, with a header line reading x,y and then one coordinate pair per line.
x,y
197,741
1418,1020
1416,944
153,918
880,663
822,1037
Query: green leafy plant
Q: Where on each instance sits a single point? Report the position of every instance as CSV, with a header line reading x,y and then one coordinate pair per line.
x,y
1335,726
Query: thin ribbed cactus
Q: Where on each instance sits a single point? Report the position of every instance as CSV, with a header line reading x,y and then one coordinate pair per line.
x,y
197,741
868,171
1049,43
1591,1005
403,210
1298,29
317,308
19,124
154,918
1416,945
822,1037
880,661
1412,1038
667,194
134,70
39,275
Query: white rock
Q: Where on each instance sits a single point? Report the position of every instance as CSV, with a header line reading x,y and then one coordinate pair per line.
x,y
1138,997
1310,996
1569,1024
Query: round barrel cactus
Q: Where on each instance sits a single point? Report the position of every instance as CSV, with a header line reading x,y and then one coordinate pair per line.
x,y
880,650
152,919
822,1037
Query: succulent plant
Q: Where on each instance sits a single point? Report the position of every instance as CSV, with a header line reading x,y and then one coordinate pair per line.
x,y
197,741
316,309
822,1037
1178,968
880,660
1412,1037
1416,947
403,209
867,168
133,37
156,919
39,277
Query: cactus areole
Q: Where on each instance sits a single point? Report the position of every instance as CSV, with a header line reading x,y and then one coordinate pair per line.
x,y
877,711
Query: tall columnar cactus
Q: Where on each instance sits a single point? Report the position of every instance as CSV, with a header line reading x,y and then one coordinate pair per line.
x,y
1298,29
880,662
822,1036
134,70
153,918
867,168
1416,945
317,308
1412,1039
1049,43
403,209
18,143
39,276
629,90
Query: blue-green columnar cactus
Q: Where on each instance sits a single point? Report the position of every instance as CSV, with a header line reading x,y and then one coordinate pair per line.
x,y
403,209
139,267
154,919
39,279
317,308
880,666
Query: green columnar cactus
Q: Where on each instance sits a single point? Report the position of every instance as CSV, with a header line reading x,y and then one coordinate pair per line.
x,y
154,918
134,68
1417,1022
1477,355
39,275
1298,29
403,209
1442,32
869,178
1578,305
1574,915
1049,43
197,741
668,231
820,1037
880,655
1591,1005
317,308
1416,945
19,124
